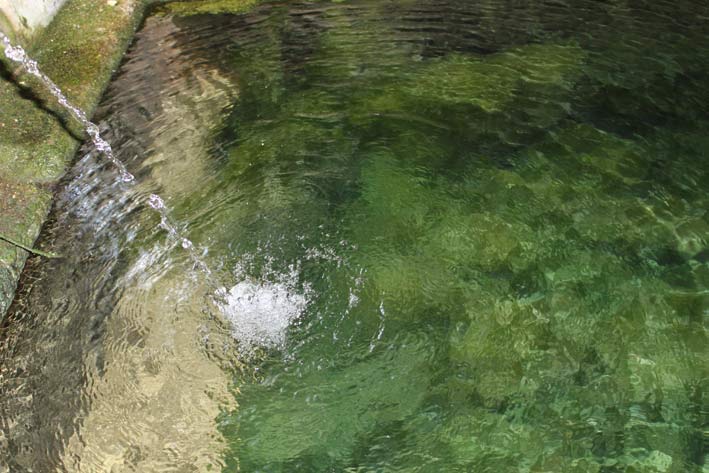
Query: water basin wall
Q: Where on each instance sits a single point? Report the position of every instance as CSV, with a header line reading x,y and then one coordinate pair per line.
x,y
80,49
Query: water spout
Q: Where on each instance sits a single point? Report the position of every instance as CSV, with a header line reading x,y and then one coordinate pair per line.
x,y
18,55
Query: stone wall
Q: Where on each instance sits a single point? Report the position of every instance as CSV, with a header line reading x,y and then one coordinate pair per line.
x,y
78,49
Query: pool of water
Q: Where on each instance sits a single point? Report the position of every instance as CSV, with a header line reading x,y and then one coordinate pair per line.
x,y
446,236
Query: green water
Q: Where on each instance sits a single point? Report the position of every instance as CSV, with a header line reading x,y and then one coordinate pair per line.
x,y
519,212
491,217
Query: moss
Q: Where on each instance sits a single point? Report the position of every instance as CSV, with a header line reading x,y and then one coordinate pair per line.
x,y
78,50
36,139
83,44
22,210
188,8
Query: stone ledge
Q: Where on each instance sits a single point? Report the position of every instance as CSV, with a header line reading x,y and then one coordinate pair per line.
x,y
79,50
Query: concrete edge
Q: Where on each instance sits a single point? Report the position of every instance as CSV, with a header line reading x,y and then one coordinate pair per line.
x,y
80,49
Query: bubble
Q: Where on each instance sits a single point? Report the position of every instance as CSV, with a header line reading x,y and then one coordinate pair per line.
x,y
156,202
127,177
260,312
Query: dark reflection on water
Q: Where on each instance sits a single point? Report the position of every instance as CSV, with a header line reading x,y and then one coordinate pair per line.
x,y
489,219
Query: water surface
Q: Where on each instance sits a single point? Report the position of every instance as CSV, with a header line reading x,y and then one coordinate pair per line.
x,y
454,236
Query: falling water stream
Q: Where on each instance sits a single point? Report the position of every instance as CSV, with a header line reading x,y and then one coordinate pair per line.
x,y
17,54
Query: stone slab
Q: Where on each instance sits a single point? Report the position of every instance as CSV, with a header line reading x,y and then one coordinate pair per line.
x,y
79,50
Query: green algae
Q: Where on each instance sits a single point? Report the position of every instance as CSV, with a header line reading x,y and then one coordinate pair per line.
x,y
494,82
526,249
199,7
542,254
341,415
23,210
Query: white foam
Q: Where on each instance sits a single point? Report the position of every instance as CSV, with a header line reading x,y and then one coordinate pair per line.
x,y
260,312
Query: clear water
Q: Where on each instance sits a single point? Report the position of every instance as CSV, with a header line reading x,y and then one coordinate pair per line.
x,y
452,236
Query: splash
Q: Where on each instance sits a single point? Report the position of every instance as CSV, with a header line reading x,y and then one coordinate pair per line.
x,y
261,311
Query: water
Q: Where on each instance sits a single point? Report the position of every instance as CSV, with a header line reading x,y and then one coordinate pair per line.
x,y
455,237
29,65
